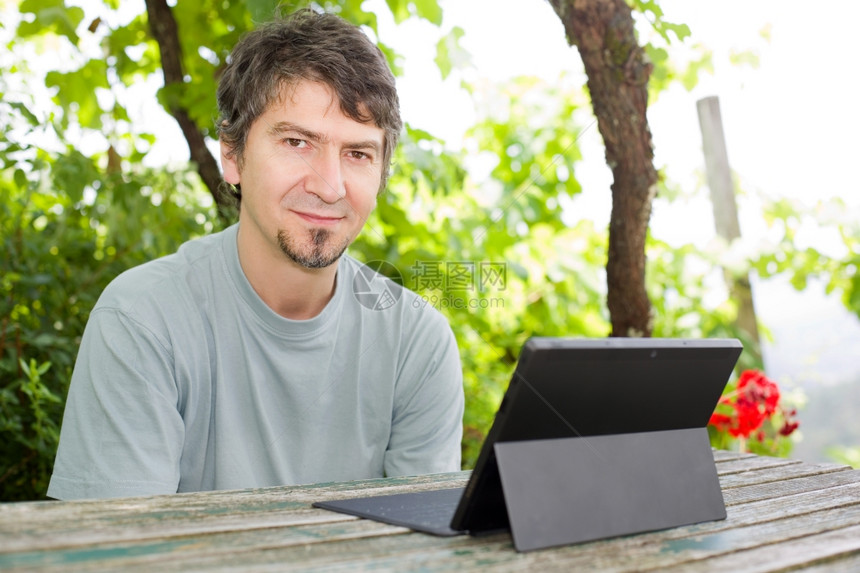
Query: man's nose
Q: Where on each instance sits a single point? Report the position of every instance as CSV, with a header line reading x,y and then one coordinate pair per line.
x,y
327,177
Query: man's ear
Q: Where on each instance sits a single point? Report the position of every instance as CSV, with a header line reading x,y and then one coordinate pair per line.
x,y
230,164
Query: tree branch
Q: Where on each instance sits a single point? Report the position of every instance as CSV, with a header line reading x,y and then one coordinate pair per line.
x,y
164,30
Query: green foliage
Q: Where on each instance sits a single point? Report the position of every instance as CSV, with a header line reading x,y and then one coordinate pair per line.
x,y
67,226
787,256
404,9
526,272
745,57
494,252
654,14
666,71
676,279
767,443
843,455
449,54
50,15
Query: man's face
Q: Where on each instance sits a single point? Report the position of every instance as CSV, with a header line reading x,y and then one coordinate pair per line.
x,y
309,175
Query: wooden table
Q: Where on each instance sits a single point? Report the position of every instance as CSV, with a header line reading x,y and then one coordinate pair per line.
x,y
782,515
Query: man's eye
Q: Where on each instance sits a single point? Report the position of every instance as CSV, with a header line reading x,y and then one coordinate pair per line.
x,y
297,143
359,155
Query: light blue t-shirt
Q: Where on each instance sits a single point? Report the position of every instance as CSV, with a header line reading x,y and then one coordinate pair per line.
x,y
187,381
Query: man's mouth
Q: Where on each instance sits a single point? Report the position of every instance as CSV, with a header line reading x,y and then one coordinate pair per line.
x,y
319,218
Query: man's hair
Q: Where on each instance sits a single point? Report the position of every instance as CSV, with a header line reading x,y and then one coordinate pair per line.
x,y
307,46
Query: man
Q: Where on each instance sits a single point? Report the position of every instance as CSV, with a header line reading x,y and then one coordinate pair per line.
x,y
246,359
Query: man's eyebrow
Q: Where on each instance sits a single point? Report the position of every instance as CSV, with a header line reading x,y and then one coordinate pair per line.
x,y
370,144
282,127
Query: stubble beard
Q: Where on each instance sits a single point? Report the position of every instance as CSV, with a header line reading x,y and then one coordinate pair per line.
x,y
318,253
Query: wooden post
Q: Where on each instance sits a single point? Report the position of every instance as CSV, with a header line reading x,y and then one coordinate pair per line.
x,y
726,211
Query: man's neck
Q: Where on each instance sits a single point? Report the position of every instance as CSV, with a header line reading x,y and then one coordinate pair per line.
x,y
289,289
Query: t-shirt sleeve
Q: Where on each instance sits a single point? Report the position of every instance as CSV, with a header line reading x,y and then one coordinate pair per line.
x,y
122,433
427,421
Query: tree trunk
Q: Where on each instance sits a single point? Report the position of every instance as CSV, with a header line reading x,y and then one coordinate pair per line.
x,y
618,72
164,30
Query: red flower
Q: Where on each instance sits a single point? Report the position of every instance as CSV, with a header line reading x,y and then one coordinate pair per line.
x,y
755,401
790,424
788,428
720,421
758,388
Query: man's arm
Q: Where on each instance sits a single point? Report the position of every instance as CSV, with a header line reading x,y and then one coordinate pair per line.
x,y
122,434
427,422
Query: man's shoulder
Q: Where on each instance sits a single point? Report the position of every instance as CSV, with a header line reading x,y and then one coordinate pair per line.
x,y
164,281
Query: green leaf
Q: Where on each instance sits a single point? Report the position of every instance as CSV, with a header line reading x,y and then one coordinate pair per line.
x,y
120,43
51,15
262,10
399,9
746,58
25,111
21,179
426,9
25,368
681,31
429,10
72,173
43,368
76,91
449,53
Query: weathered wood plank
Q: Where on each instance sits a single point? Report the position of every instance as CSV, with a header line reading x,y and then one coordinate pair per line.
x,y
646,557
250,500
791,554
363,539
585,554
727,456
356,551
203,504
622,554
729,467
130,531
45,525
837,564
779,473
157,525
795,504
770,502
769,490
421,552
131,520
123,554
